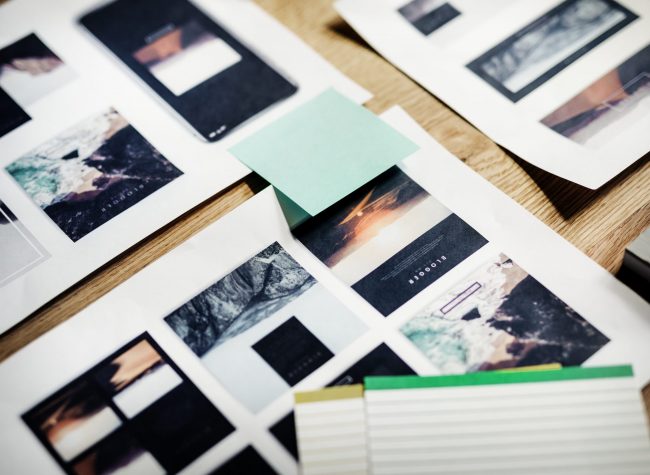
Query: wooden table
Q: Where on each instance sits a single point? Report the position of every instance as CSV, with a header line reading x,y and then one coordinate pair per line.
x,y
599,223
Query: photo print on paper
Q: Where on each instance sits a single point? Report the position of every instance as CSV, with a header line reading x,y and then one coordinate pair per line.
x,y
389,240
501,317
91,173
134,412
543,48
210,78
381,361
428,15
608,106
29,71
20,251
271,317
186,56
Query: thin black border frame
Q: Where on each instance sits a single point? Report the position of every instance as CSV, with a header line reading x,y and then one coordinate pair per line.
x,y
475,65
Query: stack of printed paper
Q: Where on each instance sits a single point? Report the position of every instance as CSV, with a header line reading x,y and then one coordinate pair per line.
x,y
331,427
572,420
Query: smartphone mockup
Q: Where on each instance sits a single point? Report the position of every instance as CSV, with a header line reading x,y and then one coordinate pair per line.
x,y
212,80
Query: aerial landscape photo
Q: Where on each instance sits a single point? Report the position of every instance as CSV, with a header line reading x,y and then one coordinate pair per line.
x,y
249,294
501,317
92,172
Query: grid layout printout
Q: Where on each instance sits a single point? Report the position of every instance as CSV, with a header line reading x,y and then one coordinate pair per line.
x,y
95,155
572,420
192,364
129,412
564,84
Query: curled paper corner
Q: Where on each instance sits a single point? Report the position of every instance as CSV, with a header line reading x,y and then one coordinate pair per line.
x,y
293,213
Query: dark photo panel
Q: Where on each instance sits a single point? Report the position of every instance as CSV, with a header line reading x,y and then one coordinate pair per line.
x,y
12,115
381,361
116,451
428,15
212,80
285,431
426,259
533,55
248,461
98,423
293,351
180,426
389,240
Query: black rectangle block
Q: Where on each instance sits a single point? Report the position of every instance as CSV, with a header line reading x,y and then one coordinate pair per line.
x,y
292,351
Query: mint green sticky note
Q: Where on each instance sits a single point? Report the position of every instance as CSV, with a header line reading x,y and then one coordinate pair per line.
x,y
322,151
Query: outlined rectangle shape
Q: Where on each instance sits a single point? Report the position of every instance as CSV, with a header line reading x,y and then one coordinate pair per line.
x,y
19,250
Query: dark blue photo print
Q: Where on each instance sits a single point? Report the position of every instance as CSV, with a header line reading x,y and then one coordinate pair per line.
x,y
428,15
389,240
533,55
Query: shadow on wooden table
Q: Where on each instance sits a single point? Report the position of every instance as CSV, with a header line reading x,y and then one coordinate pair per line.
x,y
570,198
567,197
340,27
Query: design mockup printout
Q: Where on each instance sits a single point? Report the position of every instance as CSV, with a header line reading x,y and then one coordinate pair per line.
x,y
573,420
272,318
90,161
203,72
389,240
245,314
501,317
564,84
129,412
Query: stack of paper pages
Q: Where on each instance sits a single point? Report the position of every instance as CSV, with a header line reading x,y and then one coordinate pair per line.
x,y
573,420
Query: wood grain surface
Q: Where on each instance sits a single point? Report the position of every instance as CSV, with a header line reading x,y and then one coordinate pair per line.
x,y
599,223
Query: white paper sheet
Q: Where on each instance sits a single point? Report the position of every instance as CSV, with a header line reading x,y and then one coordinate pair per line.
x,y
142,303
90,82
605,127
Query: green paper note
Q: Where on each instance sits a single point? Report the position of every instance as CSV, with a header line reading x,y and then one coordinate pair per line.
x,y
322,151
293,213
373,383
